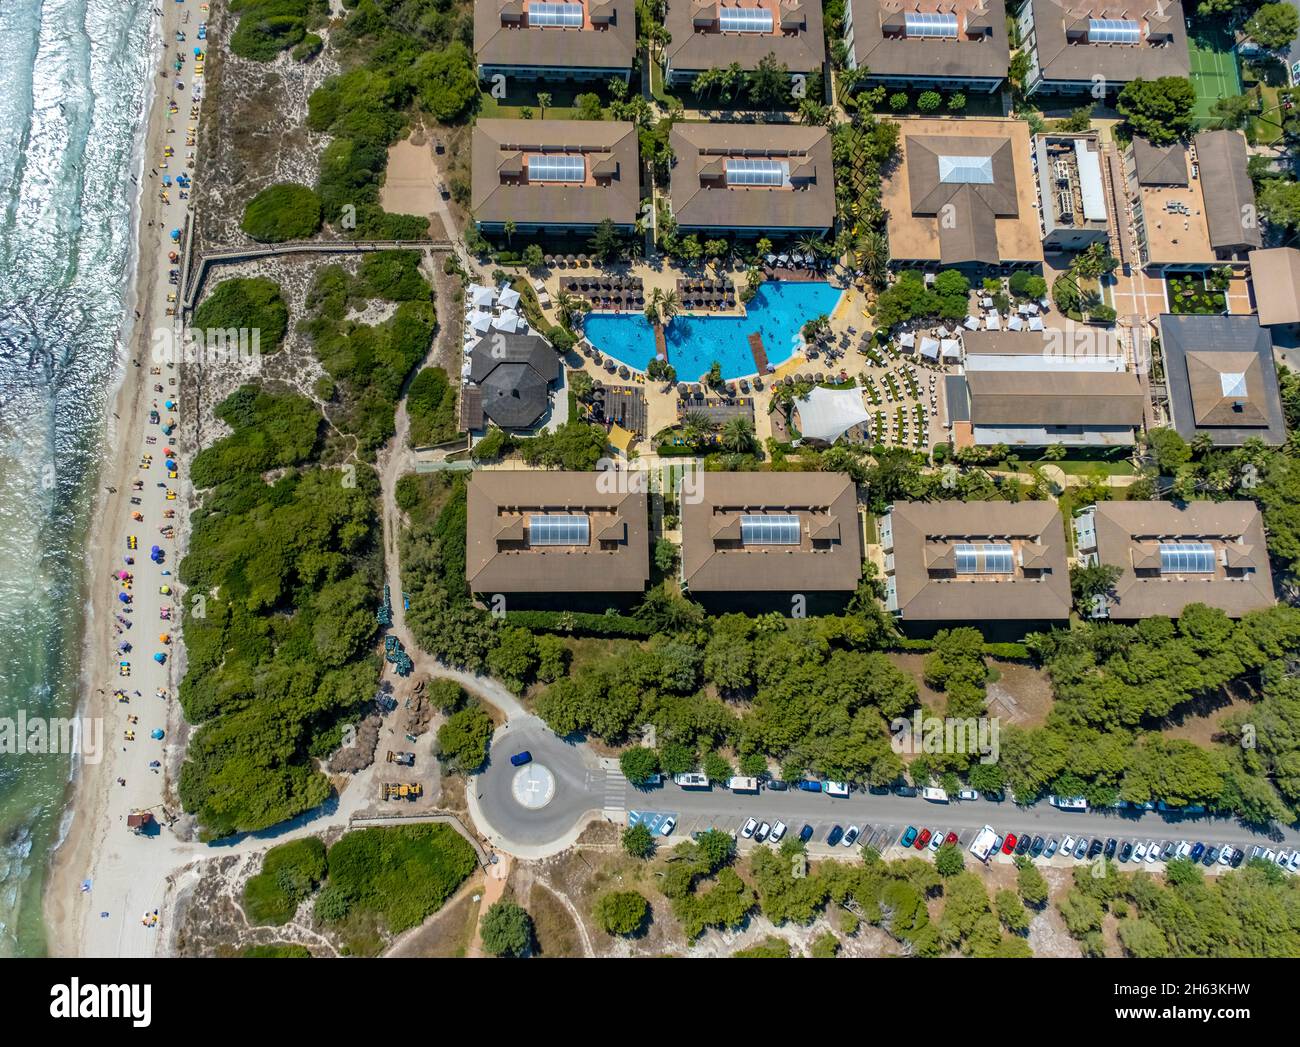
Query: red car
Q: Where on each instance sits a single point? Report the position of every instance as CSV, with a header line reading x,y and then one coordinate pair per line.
x,y
922,840
950,838
1009,844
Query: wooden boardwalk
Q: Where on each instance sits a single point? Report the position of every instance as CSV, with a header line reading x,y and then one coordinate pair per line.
x,y
661,343
760,354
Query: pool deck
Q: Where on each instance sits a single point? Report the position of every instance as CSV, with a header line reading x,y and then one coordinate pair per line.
x,y
660,399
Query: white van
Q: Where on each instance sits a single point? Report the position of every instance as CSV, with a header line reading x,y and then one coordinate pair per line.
x,y
835,788
934,794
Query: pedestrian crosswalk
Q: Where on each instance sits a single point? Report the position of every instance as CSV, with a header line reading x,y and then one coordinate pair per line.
x,y
615,791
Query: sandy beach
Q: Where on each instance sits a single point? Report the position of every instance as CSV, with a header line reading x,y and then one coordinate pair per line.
x,y
127,874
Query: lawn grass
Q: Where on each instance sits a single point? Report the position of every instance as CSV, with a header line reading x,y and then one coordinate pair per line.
x,y
1094,468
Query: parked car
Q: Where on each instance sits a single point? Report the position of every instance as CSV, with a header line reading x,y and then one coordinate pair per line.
x,y
967,794
1067,847
1095,848
1036,848
1009,844
810,786
806,833
667,826
952,838
1022,845
850,837
1153,851
778,830
1238,856
1210,857
777,785
1269,854
1197,850
936,839
1294,863
750,826
909,834
1111,846
1126,852
519,759
922,840
1283,858
1183,849
997,845
904,790
1225,856
833,837
1051,847
1081,848
1170,849
760,834
1140,852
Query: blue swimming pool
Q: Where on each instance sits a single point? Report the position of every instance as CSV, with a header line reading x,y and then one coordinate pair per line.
x,y
777,312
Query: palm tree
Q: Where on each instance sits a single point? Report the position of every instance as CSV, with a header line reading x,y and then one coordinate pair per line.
x,y
543,100
669,304
568,308
509,230
696,427
738,435
652,306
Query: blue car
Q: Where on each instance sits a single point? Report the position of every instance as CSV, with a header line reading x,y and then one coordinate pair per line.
x,y
810,786
835,835
805,834
519,759
1197,851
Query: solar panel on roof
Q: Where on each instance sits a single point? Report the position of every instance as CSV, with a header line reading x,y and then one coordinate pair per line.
x,y
558,530
984,558
744,20
755,172
567,15
938,24
556,167
1114,31
1186,558
769,530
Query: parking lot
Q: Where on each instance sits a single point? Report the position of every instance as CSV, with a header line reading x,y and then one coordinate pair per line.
x,y
883,819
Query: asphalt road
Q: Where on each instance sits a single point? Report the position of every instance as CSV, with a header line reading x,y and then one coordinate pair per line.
x,y
580,785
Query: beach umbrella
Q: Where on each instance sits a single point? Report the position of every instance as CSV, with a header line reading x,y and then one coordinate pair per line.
x,y
171,463
156,734
176,234
124,646
154,763
170,405
160,658
164,637
155,549
124,597
124,575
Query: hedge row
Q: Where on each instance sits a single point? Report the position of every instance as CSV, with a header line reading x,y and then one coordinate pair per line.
x,y
580,624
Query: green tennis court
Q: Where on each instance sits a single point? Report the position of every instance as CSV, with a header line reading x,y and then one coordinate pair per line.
x,y
1214,72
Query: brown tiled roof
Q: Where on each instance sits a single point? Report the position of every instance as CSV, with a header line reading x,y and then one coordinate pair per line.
x,y
1229,195
1160,164
608,44
1221,378
700,199
987,55
500,193
971,210
828,557
929,590
697,44
1117,63
1129,535
499,559
1055,398
1275,274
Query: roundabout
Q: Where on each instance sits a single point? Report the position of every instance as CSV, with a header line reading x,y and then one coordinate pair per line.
x,y
537,809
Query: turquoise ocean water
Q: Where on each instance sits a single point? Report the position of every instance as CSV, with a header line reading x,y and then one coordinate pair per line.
x,y
74,85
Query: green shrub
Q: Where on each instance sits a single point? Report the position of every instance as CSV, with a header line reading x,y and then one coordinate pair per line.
x,y
282,212
506,929
621,913
464,739
249,303
431,404
290,873
399,874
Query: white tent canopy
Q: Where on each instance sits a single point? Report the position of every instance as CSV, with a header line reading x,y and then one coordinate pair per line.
x,y
509,298
950,349
930,348
826,414
479,321
481,297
